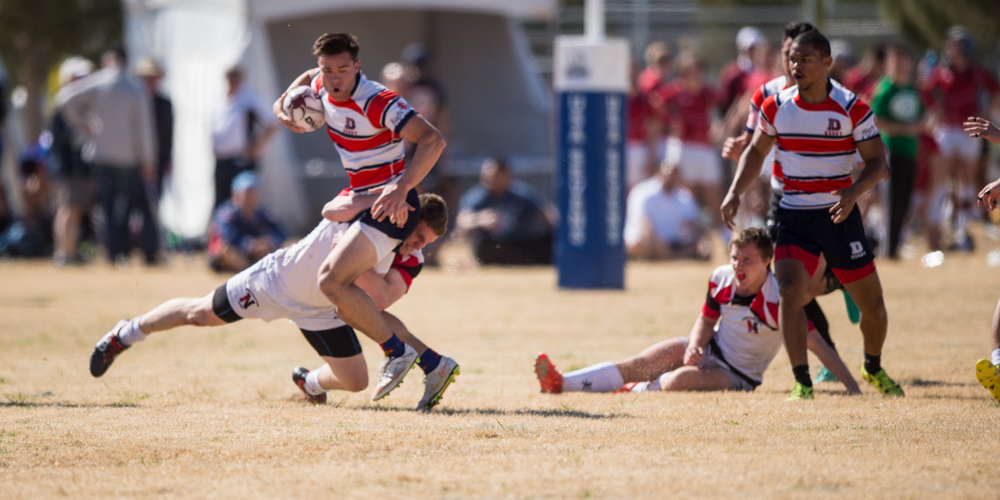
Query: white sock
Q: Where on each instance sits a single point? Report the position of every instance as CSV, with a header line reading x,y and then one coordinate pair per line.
x,y
659,382
131,333
996,356
312,384
602,377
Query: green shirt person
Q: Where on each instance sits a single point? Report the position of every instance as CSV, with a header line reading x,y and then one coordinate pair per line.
x,y
899,114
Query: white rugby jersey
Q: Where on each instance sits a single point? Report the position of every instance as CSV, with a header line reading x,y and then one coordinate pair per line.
x,y
762,93
365,131
817,143
748,331
297,266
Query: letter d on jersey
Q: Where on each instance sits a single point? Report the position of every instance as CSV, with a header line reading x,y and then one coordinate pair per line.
x,y
591,78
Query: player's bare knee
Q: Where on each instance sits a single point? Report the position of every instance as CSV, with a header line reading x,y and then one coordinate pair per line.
x,y
355,384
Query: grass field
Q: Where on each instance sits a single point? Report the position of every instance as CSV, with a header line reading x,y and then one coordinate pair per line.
x,y
208,413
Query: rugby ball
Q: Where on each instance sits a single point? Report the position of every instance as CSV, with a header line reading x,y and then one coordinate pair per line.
x,y
304,107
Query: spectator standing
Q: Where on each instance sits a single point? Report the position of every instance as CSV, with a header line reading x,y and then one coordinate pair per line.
x,y
74,184
113,112
242,232
661,220
504,220
163,114
734,79
862,78
658,70
898,112
241,130
691,103
954,92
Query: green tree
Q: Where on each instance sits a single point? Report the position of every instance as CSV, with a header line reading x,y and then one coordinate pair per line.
x,y
926,22
37,34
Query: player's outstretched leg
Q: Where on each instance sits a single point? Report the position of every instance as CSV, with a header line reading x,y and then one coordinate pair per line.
x,y
987,374
168,315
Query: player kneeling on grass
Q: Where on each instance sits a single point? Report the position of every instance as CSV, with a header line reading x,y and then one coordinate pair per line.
x,y
733,340
285,284
988,373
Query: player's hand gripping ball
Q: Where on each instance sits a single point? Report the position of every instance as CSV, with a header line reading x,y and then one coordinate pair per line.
x,y
303,106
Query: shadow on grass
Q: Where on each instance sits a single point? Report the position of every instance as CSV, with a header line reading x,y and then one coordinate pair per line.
x,y
917,382
494,412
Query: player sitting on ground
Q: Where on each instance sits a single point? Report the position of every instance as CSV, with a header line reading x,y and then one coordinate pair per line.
x,y
731,354
819,127
284,284
988,373
367,123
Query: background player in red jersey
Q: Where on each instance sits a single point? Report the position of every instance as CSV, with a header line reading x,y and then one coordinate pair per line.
x,y
819,126
954,92
691,103
374,163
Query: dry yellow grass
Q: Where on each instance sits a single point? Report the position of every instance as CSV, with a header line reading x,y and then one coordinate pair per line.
x,y
206,413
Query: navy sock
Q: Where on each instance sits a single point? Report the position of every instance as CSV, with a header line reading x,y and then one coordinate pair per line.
x,y
802,375
429,360
393,347
873,364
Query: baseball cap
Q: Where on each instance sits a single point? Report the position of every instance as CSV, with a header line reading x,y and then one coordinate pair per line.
x,y
749,37
244,181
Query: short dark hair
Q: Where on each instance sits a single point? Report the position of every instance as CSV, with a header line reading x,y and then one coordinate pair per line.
x,y
117,51
816,40
434,211
758,237
796,28
332,44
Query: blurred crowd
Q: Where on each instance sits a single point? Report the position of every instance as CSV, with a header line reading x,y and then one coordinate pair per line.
x,y
93,178
679,119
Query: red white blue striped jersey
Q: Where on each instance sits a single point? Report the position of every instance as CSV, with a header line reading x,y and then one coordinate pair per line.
x,y
816,143
365,131
762,93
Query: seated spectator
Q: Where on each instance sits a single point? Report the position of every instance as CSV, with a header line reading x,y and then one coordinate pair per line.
x,y
504,220
30,235
661,220
242,232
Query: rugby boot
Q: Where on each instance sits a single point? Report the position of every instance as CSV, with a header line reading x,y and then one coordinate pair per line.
x,y
106,350
800,392
549,378
299,377
392,370
882,382
437,381
824,375
987,374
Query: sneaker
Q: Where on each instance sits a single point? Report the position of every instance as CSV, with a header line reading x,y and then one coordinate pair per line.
x,y
987,374
635,387
437,381
800,392
825,375
299,377
392,370
106,350
548,377
882,382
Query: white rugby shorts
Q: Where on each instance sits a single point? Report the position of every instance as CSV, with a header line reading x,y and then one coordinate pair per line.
x,y
699,164
257,292
953,141
712,361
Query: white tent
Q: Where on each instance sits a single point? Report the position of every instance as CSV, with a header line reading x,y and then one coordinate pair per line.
x,y
499,103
